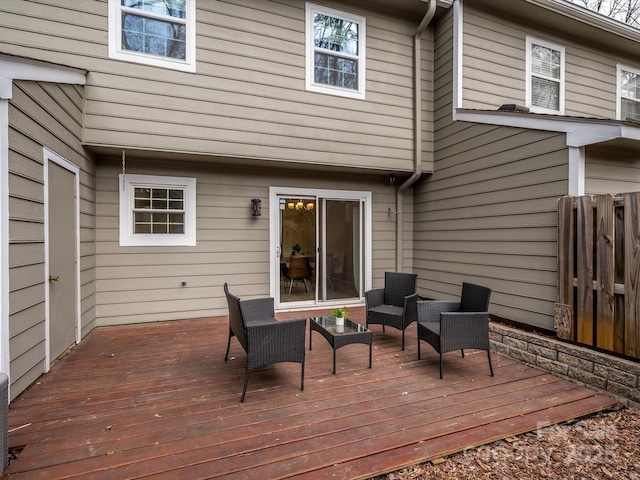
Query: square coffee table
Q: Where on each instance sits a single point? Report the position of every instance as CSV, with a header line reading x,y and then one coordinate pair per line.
x,y
339,336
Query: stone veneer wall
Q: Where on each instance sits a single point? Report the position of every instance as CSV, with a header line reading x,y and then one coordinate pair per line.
x,y
611,375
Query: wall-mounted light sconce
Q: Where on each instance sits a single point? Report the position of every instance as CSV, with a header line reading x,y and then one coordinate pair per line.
x,y
392,179
255,207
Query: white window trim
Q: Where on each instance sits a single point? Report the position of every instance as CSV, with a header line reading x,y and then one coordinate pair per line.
x,y
619,69
553,46
127,185
115,42
311,86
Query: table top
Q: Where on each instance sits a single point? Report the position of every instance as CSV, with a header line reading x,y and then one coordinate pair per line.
x,y
329,325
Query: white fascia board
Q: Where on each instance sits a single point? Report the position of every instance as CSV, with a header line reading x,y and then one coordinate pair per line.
x,y
589,17
630,132
26,69
507,119
580,133
592,134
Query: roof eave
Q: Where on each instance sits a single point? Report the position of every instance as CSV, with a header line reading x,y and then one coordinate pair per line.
x,y
589,17
581,132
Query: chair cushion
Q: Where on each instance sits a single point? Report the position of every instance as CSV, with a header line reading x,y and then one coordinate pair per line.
x,y
433,327
261,321
390,310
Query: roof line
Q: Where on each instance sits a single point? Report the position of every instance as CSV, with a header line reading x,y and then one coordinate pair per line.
x,y
589,17
580,131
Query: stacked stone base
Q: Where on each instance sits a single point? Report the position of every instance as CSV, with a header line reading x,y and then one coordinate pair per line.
x,y
611,375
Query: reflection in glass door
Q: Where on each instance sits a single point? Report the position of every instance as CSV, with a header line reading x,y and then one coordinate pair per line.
x,y
320,244
341,263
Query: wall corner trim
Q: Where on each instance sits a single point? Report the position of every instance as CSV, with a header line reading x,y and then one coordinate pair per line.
x,y
6,88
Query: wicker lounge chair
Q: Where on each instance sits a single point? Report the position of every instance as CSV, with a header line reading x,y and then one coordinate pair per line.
x,y
395,304
448,326
265,339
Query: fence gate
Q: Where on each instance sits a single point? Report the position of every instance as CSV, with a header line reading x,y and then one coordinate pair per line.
x,y
599,270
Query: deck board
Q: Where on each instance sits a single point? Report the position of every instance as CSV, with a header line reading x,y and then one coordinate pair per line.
x,y
158,401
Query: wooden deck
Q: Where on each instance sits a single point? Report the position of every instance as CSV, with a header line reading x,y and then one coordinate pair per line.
x,y
158,401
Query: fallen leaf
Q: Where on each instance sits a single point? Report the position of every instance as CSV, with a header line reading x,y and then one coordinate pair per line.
x,y
606,471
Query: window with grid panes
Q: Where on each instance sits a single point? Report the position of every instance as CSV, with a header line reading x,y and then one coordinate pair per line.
x,y
156,210
335,52
545,76
629,93
154,32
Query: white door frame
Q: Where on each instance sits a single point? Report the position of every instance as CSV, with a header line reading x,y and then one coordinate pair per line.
x,y
50,156
274,260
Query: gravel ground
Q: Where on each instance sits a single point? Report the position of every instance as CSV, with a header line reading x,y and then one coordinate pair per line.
x,y
601,446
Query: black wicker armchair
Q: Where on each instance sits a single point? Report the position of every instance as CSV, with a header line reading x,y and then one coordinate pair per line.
x,y
449,326
265,339
395,304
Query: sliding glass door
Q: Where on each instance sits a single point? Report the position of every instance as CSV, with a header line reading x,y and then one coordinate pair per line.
x,y
320,242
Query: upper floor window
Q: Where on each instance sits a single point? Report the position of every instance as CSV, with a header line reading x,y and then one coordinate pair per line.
x,y
157,211
628,104
545,77
335,52
153,32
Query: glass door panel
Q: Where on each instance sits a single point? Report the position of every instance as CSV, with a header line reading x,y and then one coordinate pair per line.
x,y
341,238
297,249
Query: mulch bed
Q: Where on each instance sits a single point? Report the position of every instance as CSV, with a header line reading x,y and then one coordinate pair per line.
x,y
601,446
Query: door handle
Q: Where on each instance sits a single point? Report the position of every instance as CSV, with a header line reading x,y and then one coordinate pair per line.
x,y
53,278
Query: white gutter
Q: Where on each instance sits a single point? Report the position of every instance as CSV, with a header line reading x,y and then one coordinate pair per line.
x,y
417,126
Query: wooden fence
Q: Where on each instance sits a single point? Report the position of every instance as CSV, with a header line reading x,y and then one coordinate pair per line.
x,y
599,270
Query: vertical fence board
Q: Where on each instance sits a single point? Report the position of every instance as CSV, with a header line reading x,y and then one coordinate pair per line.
x,y
604,272
619,269
632,274
584,273
566,240
608,273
